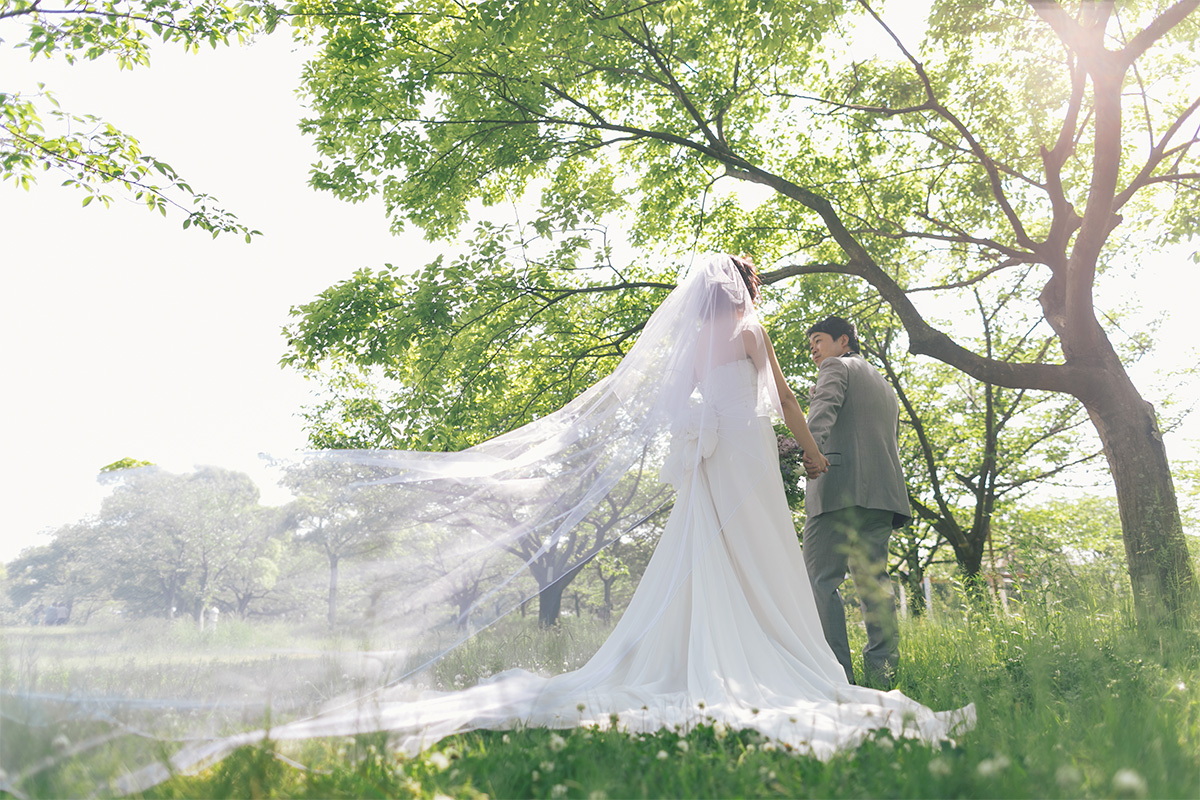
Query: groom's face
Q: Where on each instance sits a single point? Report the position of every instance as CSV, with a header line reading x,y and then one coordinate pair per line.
x,y
823,346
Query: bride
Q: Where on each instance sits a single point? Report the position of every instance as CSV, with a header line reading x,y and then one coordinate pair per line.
x,y
722,626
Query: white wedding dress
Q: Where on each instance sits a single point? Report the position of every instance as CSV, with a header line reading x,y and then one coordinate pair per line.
x,y
722,626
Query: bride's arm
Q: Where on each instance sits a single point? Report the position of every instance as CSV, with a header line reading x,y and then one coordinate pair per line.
x,y
793,415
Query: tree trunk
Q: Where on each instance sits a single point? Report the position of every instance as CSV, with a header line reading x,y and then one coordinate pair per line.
x,y
171,599
333,589
606,612
550,588
914,584
464,601
970,560
550,603
1160,569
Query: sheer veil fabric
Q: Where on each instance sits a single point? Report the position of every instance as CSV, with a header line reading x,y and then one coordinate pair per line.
x,y
722,625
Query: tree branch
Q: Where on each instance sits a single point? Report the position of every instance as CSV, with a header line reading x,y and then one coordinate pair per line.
x,y
983,157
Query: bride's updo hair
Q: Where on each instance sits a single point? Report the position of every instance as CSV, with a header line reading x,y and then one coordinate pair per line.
x,y
749,273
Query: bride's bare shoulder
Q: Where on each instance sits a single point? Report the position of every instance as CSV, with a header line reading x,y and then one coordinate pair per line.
x,y
753,329
755,340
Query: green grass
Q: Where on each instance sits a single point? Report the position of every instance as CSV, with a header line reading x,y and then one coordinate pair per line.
x,y
1072,699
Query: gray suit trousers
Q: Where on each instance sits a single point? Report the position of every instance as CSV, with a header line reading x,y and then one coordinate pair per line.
x,y
855,539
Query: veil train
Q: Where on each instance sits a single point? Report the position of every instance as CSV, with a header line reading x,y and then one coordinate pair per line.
x,y
722,626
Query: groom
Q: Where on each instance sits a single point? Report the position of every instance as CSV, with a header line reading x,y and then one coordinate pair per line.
x,y
853,508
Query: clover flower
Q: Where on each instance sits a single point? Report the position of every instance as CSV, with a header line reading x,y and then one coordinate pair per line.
x,y
940,768
1128,783
990,767
1068,777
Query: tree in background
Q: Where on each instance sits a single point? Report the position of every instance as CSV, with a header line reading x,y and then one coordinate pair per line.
x,y
344,525
1065,547
1002,146
65,571
259,556
182,541
973,448
161,542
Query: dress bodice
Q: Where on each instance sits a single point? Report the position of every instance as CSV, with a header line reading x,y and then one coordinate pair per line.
x,y
731,388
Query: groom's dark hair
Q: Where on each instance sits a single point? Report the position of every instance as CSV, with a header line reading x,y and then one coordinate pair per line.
x,y
837,327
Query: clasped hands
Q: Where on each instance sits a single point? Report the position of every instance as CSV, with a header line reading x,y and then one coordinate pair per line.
x,y
815,464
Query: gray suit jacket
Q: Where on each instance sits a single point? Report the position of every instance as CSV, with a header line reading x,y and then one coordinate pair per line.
x,y
854,416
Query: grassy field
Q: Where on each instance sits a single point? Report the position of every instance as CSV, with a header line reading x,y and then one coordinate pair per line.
x,y
1073,701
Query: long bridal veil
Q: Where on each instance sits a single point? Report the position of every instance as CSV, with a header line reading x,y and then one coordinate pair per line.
x,y
447,544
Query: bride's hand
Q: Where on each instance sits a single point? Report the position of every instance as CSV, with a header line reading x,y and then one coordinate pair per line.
x,y
815,464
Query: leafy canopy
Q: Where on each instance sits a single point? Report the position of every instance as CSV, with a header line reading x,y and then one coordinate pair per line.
x,y
38,136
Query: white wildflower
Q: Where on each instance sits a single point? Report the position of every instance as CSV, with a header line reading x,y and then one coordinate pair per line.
x,y
940,768
547,766
682,745
885,744
1128,783
1068,777
662,755
438,761
720,731
991,767
558,790
557,743
60,742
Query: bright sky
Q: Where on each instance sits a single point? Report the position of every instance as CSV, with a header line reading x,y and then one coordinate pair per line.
x,y
128,336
